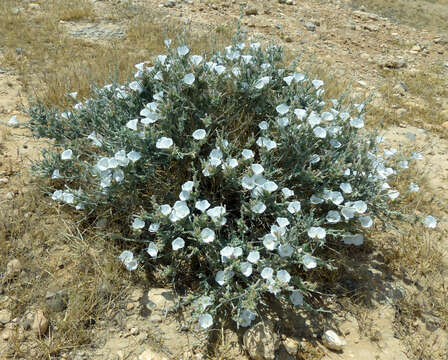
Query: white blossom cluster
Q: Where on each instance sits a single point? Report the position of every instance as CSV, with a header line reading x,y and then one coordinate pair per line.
x,y
252,201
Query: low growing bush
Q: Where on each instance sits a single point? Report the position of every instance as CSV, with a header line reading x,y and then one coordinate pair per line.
x,y
227,171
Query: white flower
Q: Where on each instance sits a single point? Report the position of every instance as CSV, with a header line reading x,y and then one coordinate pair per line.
x,y
360,206
196,59
219,69
164,143
134,156
13,121
346,188
207,235
154,227
350,239
267,273
248,154
178,243
128,260
283,121
202,205
68,197
393,194
430,222
287,193
253,256
336,144
246,269
300,113
161,59
132,124
315,200
230,163
357,122
246,318
222,277
180,211
309,262
263,125
314,159
288,79
296,298
270,186
189,79
167,42
136,86
216,212
366,221
282,222
257,169
283,276
138,224
333,217
317,232
67,154
262,82
413,187
165,209
282,109
403,164
294,207
348,212
118,175
56,174
205,321
94,138
152,249
199,134
270,241
259,208
285,250
417,156
320,132
182,50
389,152
313,119
278,231
336,197
317,83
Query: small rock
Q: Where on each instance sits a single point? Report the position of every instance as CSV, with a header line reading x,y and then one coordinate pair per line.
x,y
156,318
13,268
282,1
444,115
5,316
291,345
149,354
252,11
40,323
170,3
34,6
310,26
15,11
4,181
261,341
393,63
9,195
290,2
332,341
401,112
161,300
364,56
289,39
55,300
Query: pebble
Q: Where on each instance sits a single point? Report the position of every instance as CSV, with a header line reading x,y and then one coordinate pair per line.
x,y
10,195
34,6
444,115
149,354
4,181
170,4
251,11
40,323
5,316
332,341
261,341
310,26
13,268
291,345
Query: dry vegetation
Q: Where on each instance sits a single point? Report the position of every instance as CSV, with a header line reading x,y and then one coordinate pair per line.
x,y
55,252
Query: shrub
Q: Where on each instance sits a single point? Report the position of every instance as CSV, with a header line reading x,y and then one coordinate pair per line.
x,y
228,171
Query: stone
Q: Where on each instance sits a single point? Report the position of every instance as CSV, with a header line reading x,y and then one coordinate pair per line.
x,y
444,115
34,6
310,26
13,268
4,181
40,323
5,316
291,346
290,2
170,3
261,341
9,195
445,125
401,112
149,354
251,11
395,63
161,300
56,300
332,340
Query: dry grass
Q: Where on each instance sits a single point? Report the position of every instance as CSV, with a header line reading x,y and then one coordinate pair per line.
x,y
427,14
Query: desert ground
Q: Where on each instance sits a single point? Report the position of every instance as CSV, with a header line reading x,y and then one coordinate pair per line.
x,y
63,293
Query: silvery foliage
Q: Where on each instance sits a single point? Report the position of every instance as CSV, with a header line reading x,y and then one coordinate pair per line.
x,y
245,171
